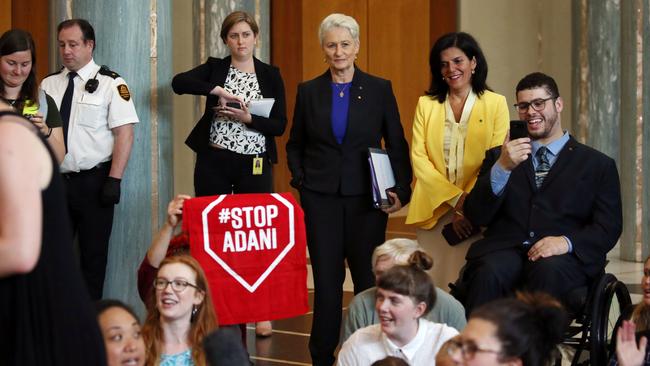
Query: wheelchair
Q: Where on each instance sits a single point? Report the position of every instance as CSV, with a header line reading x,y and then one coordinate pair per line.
x,y
595,310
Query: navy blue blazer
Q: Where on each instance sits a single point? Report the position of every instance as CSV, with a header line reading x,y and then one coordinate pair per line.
x,y
580,199
319,163
203,78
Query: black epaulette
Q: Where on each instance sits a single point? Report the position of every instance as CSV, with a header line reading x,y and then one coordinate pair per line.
x,y
56,72
104,70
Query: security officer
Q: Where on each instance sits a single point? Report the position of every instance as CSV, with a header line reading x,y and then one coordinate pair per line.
x,y
98,116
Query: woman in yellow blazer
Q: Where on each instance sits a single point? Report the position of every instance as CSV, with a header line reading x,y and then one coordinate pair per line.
x,y
455,123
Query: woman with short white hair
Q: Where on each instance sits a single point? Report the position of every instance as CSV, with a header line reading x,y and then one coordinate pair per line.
x,y
338,116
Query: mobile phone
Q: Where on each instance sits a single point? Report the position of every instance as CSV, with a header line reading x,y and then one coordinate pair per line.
x,y
518,129
233,105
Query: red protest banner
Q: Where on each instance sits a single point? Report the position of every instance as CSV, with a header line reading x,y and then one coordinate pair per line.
x,y
252,249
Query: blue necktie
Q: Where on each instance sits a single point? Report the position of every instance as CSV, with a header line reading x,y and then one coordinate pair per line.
x,y
66,104
543,167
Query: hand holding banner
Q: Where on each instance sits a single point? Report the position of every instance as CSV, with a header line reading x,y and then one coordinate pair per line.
x,y
252,249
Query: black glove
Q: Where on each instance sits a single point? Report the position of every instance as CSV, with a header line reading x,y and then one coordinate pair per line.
x,y
296,182
110,194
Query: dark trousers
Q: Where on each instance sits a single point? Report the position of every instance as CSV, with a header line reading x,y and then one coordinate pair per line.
x,y
91,223
219,171
338,229
498,274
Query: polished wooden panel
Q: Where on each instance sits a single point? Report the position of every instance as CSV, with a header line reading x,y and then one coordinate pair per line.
x,y
444,18
32,16
5,15
286,46
399,49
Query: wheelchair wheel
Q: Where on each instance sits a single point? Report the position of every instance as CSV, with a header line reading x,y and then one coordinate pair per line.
x,y
607,307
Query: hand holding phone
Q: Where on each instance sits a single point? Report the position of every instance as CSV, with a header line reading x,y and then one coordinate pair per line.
x,y
518,129
233,105
515,150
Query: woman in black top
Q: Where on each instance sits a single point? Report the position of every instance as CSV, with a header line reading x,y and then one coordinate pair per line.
x,y
234,147
46,317
231,141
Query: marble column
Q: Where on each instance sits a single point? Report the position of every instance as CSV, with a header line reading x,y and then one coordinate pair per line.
x,y
611,102
635,134
213,12
134,39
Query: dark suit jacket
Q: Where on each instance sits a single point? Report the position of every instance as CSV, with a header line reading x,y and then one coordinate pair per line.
x,y
580,199
203,78
319,163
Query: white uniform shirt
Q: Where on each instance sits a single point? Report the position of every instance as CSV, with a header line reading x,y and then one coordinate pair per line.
x,y
92,115
370,344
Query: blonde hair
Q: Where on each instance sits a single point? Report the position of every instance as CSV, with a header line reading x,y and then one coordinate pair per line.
x,y
339,20
202,323
399,249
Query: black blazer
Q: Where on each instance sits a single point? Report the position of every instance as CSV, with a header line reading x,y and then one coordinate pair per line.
x,y
203,78
319,163
580,199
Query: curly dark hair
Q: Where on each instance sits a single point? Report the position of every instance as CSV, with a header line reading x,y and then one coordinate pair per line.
x,y
538,80
466,43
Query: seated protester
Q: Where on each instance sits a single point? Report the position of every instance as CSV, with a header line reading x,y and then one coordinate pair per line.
x,y
361,311
524,331
162,246
122,335
631,346
404,295
181,316
631,337
551,205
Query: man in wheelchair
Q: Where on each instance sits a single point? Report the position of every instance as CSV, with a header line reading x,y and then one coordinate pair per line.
x,y
551,207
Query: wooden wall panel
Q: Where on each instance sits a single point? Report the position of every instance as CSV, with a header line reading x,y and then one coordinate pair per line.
x,y
399,51
286,46
32,16
5,15
444,18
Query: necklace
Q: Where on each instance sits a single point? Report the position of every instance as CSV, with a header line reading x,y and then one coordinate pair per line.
x,y
341,90
11,102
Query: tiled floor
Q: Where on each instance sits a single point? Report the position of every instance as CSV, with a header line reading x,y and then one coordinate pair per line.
x,y
289,343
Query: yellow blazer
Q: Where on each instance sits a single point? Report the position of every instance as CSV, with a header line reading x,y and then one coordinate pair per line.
x,y
486,128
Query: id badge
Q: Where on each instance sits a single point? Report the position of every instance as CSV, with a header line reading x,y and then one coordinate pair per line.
x,y
258,166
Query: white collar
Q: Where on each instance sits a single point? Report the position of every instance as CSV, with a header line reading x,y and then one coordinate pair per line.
x,y
467,108
87,72
410,349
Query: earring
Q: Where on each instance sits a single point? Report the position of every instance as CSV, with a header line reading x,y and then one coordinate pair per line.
x,y
443,78
473,71
195,309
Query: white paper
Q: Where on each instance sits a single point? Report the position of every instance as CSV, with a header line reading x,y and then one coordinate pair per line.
x,y
383,172
261,107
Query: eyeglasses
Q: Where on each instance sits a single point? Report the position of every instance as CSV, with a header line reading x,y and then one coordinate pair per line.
x,y
468,349
177,285
537,104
